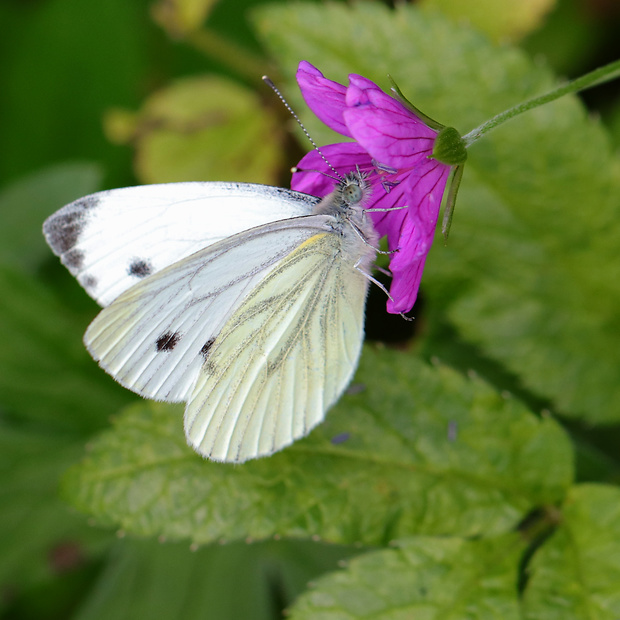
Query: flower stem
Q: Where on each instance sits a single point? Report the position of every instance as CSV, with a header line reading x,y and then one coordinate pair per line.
x,y
594,78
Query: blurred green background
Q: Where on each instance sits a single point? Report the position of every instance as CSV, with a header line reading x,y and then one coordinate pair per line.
x,y
65,63
74,79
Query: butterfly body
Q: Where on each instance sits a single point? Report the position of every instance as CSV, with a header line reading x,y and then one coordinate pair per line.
x,y
253,317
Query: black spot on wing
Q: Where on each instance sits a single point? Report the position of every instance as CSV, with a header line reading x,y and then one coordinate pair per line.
x,y
140,268
64,229
73,259
205,348
88,282
168,341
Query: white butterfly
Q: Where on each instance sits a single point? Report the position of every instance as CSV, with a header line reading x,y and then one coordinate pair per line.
x,y
245,301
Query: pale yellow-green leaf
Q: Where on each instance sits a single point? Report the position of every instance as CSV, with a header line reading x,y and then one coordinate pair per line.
x,y
203,128
178,17
509,19
120,125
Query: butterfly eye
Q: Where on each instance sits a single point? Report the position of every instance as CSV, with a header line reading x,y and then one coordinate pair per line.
x,y
352,194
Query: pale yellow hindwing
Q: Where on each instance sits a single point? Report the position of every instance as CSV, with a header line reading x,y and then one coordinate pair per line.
x,y
283,358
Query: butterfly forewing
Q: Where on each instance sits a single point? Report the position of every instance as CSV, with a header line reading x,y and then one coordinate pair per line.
x,y
156,336
113,239
245,301
283,358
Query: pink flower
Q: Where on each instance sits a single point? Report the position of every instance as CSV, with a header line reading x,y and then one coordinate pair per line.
x,y
393,143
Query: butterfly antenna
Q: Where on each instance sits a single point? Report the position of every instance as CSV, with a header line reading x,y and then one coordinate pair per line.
x,y
273,87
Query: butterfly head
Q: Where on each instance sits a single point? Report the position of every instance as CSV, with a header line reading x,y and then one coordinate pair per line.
x,y
347,198
353,189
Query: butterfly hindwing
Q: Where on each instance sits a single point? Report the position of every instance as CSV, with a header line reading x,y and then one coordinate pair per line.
x,y
113,239
155,337
283,358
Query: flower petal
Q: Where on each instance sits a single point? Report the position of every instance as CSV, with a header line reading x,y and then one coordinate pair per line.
x,y
389,223
415,237
393,145
389,131
317,178
324,97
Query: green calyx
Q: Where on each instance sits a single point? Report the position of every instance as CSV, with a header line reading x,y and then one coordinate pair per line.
x,y
427,120
449,147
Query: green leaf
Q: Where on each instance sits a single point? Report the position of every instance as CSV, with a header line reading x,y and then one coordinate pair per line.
x,y
575,575
46,376
61,67
613,122
426,451
144,579
430,578
531,272
34,523
202,129
501,21
27,202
